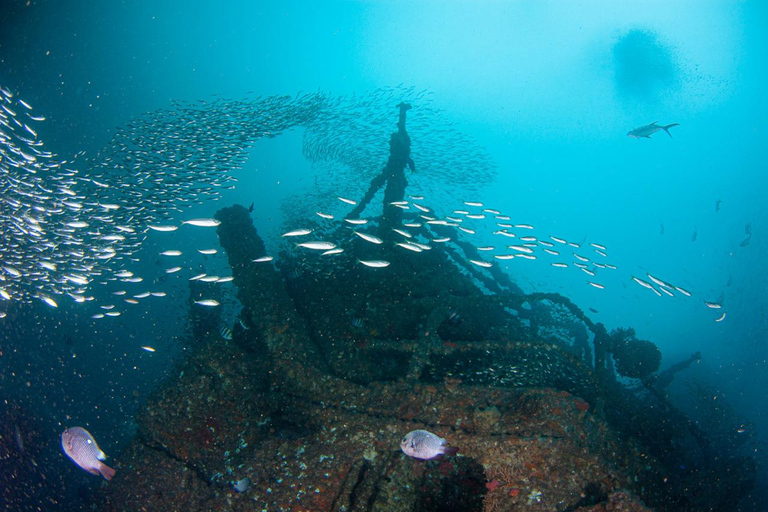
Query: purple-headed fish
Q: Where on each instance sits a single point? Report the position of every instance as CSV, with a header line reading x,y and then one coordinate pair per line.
x,y
422,444
81,447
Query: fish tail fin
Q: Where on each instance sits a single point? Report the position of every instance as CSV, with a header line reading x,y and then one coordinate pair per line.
x,y
666,128
106,471
450,451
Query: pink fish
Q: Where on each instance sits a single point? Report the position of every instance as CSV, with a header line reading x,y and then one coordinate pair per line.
x,y
81,447
422,444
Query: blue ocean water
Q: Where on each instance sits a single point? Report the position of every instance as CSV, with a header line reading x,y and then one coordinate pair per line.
x,y
548,90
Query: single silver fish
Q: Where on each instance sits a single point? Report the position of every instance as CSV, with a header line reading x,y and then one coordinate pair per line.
x,y
649,129
424,445
298,232
375,263
81,447
318,246
368,238
202,223
164,229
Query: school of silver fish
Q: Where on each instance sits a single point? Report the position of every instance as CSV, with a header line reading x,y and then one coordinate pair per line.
x,y
66,229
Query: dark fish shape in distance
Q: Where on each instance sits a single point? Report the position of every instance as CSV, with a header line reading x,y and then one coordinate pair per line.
x,y
649,129
81,447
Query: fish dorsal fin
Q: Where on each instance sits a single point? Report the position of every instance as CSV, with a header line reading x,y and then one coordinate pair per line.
x,y
654,122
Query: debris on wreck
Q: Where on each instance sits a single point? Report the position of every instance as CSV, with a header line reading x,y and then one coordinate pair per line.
x,y
305,409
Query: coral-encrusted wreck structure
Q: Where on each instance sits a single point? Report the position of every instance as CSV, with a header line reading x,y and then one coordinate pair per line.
x,y
330,366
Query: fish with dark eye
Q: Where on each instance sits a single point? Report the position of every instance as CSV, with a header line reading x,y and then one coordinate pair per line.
x,y
424,445
80,446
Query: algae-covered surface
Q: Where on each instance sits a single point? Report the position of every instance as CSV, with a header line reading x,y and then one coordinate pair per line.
x,y
304,409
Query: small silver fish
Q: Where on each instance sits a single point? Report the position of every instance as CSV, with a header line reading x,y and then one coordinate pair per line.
x,y
424,445
81,447
318,246
298,232
521,248
375,263
642,283
368,238
164,229
49,301
202,223
409,246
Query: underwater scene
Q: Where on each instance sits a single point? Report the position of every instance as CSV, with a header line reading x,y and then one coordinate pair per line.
x,y
383,255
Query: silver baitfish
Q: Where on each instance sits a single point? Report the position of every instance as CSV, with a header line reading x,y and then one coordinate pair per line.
x,y
424,445
81,447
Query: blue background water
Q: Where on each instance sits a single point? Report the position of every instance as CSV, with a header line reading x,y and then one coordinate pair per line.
x,y
549,88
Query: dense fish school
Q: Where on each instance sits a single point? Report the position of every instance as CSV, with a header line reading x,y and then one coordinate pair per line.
x,y
65,228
